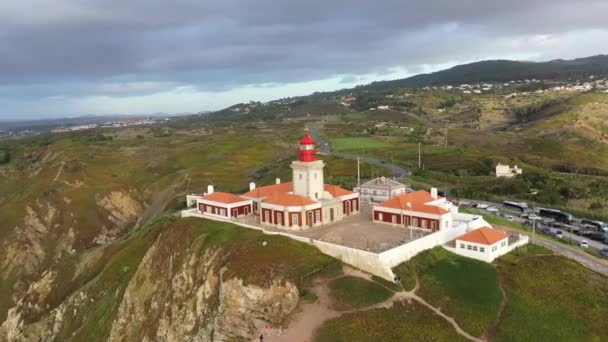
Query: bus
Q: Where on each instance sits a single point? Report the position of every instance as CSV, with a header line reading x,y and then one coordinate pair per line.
x,y
523,207
597,225
558,215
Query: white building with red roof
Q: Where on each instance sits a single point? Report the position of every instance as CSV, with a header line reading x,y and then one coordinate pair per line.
x,y
486,244
420,209
223,204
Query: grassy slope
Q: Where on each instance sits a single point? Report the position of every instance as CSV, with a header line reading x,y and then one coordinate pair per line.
x,y
402,322
353,292
463,288
551,298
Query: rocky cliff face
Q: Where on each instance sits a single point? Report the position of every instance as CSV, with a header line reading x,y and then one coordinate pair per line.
x,y
178,292
182,296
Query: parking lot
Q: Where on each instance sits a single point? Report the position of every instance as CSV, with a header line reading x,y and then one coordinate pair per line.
x,y
543,225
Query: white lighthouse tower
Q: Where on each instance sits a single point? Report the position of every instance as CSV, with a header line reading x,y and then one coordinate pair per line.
x,y
308,171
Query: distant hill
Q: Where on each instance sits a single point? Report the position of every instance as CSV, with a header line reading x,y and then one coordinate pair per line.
x,y
503,71
492,71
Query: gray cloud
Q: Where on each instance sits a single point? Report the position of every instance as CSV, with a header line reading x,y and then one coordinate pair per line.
x,y
119,48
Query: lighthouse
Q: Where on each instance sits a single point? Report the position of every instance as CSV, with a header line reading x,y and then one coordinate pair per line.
x,y
308,171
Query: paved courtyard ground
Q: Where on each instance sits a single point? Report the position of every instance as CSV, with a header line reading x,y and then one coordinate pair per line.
x,y
359,232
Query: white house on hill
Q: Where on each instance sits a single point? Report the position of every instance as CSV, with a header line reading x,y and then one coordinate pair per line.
x,y
507,171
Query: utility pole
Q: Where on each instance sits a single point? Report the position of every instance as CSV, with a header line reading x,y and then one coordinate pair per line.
x,y
392,165
419,159
534,222
358,173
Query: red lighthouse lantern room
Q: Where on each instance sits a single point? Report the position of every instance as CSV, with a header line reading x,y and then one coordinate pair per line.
x,y
307,149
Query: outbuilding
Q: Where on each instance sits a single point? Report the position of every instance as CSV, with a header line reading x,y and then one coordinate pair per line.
x,y
484,244
223,204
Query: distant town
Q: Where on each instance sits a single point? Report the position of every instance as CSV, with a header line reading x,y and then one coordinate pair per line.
x,y
27,129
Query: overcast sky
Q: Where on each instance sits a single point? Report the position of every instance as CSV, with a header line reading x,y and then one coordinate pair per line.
x,y
70,57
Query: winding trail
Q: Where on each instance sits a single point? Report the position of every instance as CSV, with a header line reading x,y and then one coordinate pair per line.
x,y
311,316
503,304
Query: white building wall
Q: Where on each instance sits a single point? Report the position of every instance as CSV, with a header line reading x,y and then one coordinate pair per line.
x,y
488,255
308,179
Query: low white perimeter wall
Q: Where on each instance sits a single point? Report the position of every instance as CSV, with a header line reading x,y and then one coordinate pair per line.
x,y
397,255
366,261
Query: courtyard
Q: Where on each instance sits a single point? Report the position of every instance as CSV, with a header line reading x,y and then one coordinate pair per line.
x,y
357,231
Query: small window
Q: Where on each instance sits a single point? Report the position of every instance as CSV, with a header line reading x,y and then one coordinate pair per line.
x,y
481,249
475,248
423,223
380,216
294,219
415,222
394,218
300,176
469,247
316,195
317,215
462,245
433,225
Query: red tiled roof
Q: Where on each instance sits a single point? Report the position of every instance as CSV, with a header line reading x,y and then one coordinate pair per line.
x,y
336,191
266,191
224,197
483,235
417,201
290,200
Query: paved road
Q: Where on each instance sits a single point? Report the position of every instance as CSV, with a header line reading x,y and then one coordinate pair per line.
x,y
324,147
597,264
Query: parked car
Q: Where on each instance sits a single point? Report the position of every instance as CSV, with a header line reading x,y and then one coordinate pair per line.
x,y
509,217
604,252
482,206
533,217
559,234
584,244
492,209
546,230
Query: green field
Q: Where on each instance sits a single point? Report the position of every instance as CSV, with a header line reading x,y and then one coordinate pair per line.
x,y
548,298
551,298
463,288
354,292
402,322
357,144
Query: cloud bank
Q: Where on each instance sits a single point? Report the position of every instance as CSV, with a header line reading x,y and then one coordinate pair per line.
x,y
69,57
